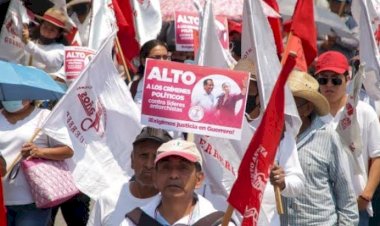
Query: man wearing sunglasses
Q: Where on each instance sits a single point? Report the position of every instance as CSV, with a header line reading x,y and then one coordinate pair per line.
x,y
332,75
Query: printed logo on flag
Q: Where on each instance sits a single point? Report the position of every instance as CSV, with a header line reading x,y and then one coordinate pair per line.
x,y
191,98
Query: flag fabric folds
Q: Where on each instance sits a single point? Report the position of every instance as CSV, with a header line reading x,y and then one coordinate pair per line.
x,y
303,26
366,13
11,45
254,168
100,119
211,52
275,24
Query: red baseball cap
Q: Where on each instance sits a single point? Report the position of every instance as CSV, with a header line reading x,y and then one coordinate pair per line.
x,y
332,61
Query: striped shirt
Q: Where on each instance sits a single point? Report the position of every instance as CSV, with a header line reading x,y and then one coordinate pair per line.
x,y
328,198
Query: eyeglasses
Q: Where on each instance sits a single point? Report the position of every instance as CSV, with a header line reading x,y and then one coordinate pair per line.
x,y
160,57
336,81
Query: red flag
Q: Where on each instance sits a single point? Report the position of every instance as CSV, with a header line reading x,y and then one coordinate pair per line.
x,y
275,24
3,215
295,45
127,33
254,168
303,26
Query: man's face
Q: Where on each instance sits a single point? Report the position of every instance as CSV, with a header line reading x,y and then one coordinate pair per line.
x,y
209,86
332,85
177,177
143,156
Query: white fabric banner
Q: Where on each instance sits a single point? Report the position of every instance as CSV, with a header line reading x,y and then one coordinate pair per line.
x,y
147,18
102,121
211,53
11,45
367,13
348,126
103,22
259,46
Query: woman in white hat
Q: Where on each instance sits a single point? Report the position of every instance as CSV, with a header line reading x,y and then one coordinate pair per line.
x,y
45,46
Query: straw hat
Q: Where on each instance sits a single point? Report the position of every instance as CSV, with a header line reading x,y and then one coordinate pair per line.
x,y
247,66
56,17
76,2
305,86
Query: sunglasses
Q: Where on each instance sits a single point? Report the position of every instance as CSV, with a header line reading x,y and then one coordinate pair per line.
x,y
160,57
336,81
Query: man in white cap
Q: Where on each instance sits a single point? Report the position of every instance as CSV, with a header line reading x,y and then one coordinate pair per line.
x,y
178,172
328,197
115,202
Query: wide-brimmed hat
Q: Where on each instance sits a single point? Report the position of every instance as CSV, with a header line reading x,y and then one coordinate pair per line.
x,y
247,66
56,17
332,61
305,86
76,2
181,148
150,133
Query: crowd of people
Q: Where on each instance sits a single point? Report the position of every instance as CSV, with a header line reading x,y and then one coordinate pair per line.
x,y
315,176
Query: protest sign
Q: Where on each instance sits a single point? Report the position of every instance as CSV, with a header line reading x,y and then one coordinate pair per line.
x,y
186,23
76,58
190,98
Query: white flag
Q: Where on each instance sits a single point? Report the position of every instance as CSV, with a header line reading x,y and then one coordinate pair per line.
x,y
258,45
11,45
348,126
103,22
367,13
148,19
211,53
102,121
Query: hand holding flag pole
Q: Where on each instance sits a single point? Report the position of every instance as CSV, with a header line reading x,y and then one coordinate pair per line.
x,y
118,46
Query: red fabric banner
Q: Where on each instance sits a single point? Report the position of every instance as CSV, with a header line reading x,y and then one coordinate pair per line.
x,y
254,168
127,32
303,26
275,24
3,215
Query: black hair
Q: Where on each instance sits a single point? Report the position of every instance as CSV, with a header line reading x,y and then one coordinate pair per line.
x,y
145,50
35,34
206,80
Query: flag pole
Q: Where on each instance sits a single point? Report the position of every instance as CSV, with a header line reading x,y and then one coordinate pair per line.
x,y
227,215
19,155
118,46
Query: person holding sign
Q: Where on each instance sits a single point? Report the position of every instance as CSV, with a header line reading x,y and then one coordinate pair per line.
x,y
154,49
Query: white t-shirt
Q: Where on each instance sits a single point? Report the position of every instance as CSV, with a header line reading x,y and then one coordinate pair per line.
x,y
202,208
113,204
12,137
45,57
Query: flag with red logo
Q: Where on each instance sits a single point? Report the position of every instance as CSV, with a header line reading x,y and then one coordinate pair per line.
x,y
303,26
367,15
348,126
254,168
100,120
11,45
